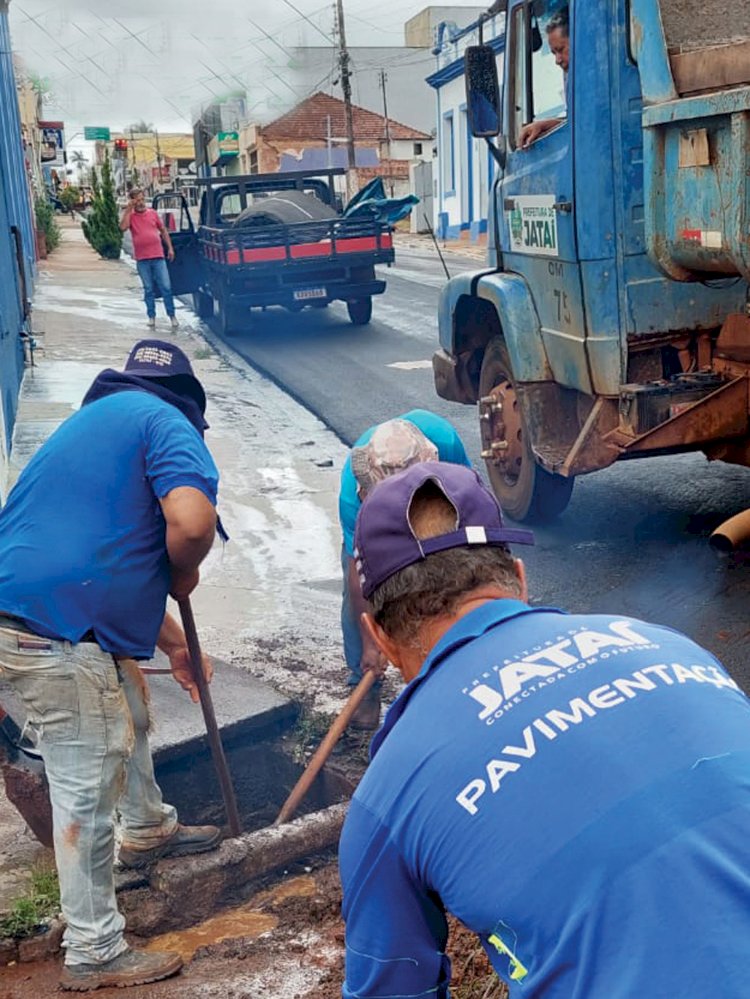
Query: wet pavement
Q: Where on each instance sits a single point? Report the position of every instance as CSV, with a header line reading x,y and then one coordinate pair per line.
x,y
268,600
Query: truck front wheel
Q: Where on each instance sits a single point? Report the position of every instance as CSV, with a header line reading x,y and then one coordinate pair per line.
x,y
526,491
360,311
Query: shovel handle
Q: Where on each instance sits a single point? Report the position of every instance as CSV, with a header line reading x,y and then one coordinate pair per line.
x,y
209,716
323,751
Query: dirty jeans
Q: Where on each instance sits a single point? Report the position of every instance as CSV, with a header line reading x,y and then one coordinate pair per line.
x,y
154,275
89,718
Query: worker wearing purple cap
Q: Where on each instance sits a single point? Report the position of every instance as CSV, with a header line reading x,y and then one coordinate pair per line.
x,y
113,513
575,789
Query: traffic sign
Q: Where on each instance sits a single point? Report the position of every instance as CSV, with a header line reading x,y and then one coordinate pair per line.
x,y
96,134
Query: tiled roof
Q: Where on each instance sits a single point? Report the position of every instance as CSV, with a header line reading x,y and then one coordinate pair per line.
x,y
309,120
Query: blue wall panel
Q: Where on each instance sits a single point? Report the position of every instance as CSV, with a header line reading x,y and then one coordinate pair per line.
x,y
15,217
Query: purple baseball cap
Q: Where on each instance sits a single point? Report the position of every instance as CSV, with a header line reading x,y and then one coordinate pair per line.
x,y
384,541
160,359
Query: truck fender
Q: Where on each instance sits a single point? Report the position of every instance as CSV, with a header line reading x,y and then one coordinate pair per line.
x,y
511,298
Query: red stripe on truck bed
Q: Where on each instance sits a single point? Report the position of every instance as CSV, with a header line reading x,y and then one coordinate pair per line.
x,y
265,253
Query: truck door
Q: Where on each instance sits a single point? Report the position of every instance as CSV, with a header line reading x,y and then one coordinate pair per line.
x,y
536,212
185,270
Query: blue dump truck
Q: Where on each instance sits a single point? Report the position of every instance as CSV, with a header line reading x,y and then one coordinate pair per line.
x,y
275,239
612,320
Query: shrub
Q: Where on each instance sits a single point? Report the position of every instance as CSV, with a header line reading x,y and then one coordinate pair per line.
x,y
70,197
45,220
102,227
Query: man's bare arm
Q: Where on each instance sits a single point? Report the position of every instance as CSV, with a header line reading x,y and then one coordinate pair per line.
x,y
125,218
173,643
167,240
191,528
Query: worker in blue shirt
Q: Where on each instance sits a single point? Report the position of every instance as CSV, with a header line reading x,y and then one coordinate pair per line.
x,y
113,513
382,450
575,789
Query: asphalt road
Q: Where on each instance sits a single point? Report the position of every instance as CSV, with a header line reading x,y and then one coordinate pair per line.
x,y
634,537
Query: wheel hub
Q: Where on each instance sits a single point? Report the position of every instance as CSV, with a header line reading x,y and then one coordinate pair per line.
x,y
502,434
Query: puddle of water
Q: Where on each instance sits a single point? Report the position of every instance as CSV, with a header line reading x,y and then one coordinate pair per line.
x,y
241,922
244,921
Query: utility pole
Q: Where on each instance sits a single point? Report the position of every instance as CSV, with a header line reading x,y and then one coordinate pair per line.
x,y
158,157
383,81
346,87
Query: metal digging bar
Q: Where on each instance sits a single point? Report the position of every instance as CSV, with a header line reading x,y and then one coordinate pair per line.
x,y
209,716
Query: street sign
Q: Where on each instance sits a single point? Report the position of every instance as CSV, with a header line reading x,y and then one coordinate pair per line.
x,y
229,144
95,133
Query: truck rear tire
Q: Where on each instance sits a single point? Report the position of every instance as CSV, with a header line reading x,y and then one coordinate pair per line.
x,y
229,319
526,491
203,304
360,311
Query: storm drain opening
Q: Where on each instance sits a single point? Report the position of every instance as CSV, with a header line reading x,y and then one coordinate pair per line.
x,y
263,774
182,891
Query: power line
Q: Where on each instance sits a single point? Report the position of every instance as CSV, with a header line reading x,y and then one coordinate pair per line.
x,y
309,21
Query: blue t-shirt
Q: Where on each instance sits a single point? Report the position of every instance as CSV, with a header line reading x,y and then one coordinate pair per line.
x,y
576,790
82,536
442,434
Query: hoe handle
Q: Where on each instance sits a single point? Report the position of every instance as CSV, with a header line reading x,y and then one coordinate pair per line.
x,y
214,738
323,751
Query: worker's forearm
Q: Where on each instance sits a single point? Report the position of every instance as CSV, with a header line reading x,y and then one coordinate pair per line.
x,y
166,239
186,549
171,635
125,220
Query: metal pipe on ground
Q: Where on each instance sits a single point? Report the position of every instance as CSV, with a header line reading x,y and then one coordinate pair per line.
x,y
732,534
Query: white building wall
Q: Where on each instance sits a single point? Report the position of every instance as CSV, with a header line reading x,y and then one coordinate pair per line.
x,y
463,167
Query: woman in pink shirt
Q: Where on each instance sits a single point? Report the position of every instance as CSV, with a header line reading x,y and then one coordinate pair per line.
x,y
150,236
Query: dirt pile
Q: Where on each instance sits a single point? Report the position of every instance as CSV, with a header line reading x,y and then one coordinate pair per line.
x,y
695,24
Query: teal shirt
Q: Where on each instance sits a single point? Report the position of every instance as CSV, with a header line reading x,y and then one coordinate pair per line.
x,y
442,434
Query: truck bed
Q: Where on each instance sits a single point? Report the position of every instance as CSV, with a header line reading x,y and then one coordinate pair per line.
x,y
290,245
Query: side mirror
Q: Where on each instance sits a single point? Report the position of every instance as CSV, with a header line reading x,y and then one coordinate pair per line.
x,y
482,91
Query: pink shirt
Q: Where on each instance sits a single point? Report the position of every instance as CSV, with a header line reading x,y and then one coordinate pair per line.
x,y
144,228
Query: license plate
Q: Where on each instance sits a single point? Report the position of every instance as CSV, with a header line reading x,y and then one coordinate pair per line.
x,y
305,293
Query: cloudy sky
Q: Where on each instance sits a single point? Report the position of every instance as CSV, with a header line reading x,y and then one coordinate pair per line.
x,y
112,62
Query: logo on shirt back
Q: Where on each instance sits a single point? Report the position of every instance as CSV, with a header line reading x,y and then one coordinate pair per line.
x,y
580,649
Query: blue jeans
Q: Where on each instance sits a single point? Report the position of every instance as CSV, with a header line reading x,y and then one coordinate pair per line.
x,y
155,276
89,719
350,627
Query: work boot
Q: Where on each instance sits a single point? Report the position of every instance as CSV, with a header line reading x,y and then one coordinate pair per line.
x,y
367,716
174,322
133,967
151,323
184,840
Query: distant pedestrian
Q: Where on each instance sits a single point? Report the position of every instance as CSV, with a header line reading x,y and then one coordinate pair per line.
x,y
381,451
574,788
150,236
113,513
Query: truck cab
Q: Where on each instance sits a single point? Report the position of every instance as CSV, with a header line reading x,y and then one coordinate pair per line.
x,y
611,321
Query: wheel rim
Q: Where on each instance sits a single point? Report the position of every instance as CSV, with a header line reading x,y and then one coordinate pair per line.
x,y
502,430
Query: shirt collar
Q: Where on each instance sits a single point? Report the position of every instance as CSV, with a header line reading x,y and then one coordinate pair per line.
x,y
472,625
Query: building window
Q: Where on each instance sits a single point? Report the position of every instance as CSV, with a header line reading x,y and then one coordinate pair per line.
x,y
448,155
417,148
254,161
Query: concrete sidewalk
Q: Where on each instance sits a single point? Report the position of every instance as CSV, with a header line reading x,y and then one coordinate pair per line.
x,y
268,601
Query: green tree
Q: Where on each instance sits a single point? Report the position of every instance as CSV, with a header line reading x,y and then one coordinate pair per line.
x,y
46,222
102,227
